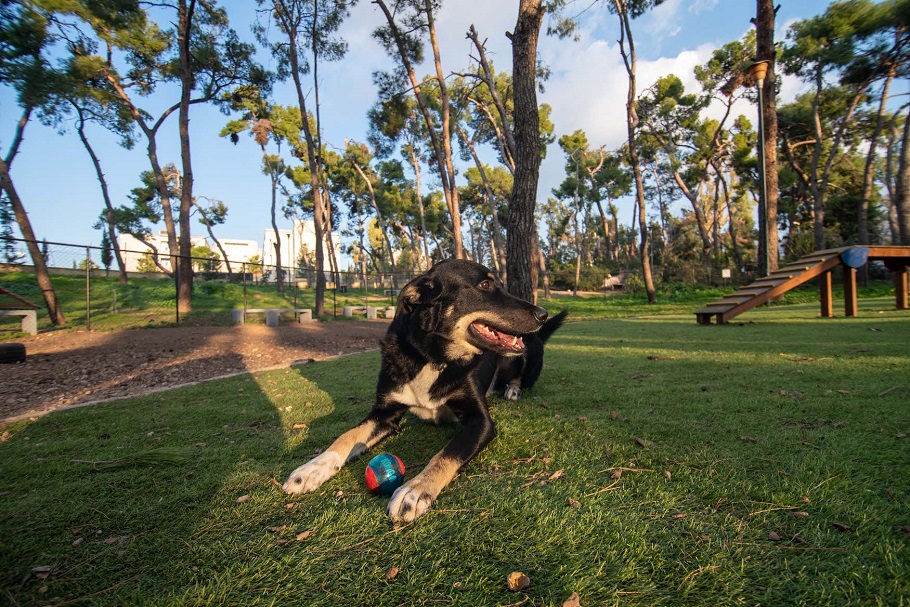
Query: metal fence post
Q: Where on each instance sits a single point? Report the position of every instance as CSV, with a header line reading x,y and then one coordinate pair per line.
x,y
88,289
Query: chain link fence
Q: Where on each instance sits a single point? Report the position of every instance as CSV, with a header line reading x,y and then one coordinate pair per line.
x,y
89,287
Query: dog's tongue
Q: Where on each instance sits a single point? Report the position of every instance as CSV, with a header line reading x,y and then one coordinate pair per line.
x,y
504,340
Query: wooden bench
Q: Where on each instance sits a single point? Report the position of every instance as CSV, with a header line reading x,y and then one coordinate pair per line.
x,y
370,312
238,316
13,305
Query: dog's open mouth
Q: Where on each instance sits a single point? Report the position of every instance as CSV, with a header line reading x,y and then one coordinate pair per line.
x,y
498,339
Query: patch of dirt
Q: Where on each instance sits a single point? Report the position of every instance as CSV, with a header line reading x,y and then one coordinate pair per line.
x,y
65,368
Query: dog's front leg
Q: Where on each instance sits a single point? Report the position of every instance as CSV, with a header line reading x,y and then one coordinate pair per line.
x,y
311,475
415,497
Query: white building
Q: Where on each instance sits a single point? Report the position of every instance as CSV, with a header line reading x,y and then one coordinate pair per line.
x,y
134,250
299,241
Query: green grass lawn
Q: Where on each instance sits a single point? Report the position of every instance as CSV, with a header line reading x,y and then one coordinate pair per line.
x,y
657,462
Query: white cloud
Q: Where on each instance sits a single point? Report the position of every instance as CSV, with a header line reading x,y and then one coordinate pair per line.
x,y
663,21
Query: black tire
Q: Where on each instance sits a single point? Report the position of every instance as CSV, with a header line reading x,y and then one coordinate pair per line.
x,y
12,353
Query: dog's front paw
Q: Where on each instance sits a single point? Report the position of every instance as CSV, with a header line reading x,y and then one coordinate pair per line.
x,y
311,475
512,393
410,501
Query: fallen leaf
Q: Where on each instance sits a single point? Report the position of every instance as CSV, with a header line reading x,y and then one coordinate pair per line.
x,y
299,426
841,526
391,573
119,539
901,435
42,571
242,499
574,503
572,601
276,529
748,439
556,475
798,514
667,474
303,535
773,536
518,581
843,392
613,414
642,442
616,474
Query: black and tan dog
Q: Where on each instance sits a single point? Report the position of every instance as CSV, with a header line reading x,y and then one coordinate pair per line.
x,y
457,335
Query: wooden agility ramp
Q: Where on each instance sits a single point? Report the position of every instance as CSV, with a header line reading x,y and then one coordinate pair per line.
x,y
819,264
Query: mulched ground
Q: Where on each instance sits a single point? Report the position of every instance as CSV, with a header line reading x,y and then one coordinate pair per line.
x,y
71,367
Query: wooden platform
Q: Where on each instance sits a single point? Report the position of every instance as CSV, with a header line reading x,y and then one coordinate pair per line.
x,y
819,265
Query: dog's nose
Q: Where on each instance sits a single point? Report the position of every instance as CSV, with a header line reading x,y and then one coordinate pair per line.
x,y
540,314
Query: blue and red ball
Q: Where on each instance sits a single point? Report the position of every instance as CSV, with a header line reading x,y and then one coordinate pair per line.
x,y
384,474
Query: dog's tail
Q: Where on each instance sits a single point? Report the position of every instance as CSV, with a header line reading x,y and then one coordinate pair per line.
x,y
550,327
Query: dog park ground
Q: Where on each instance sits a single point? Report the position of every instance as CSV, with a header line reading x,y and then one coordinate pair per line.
x,y
70,367
657,462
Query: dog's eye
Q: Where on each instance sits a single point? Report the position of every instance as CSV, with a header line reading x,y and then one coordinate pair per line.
x,y
486,285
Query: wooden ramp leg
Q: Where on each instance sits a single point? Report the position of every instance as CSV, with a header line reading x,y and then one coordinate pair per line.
x,y
900,289
849,291
826,295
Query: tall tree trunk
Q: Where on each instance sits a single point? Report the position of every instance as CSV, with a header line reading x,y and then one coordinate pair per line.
x,y
25,225
105,194
450,192
521,228
382,226
315,186
765,51
902,190
151,134
423,220
890,178
605,223
862,215
629,59
185,265
445,110
494,212
279,277
208,227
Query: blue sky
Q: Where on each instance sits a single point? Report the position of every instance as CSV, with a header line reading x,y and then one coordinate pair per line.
x,y
587,89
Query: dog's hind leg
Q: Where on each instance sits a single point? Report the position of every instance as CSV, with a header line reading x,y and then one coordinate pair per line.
x,y
311,475
513,389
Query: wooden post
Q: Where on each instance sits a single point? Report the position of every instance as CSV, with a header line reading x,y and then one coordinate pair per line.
x,y
849,291
826,295
900,288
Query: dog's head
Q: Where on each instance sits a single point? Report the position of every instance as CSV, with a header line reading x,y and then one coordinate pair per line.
x,y
463,303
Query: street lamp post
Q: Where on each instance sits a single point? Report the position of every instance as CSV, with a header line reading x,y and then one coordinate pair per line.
x,y
758,70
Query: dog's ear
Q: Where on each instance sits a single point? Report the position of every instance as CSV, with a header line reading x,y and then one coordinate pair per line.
x,y
422,291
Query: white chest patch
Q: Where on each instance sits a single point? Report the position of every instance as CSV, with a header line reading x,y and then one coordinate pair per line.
x,y
416,395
